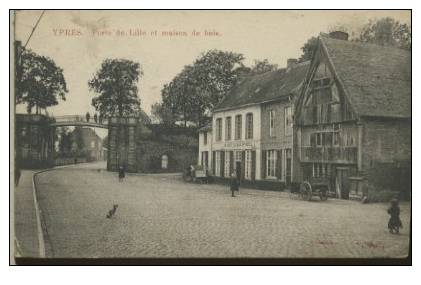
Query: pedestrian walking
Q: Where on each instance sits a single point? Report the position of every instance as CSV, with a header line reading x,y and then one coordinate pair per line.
x,y
233,184
121,174
100,118
394,222
96,118
88,116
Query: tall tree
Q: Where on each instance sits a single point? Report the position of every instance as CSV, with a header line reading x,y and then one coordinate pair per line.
x,y
40,82
116,83
387,32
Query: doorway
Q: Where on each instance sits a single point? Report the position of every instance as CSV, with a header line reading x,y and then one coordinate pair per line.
x,y
342,183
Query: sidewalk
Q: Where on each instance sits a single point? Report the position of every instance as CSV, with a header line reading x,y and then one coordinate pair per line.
x,y
25,221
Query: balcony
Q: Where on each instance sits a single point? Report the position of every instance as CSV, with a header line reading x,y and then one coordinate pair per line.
x,y
346,155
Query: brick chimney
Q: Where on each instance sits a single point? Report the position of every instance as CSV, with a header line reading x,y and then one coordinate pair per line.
x,y
339,35
291,62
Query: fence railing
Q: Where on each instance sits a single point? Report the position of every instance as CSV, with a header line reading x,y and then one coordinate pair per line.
x,y
81,119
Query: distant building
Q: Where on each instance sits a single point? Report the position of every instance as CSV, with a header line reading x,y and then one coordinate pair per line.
x,y
353,117
90,141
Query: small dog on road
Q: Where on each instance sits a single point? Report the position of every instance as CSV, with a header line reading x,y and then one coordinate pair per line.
x,y
111,212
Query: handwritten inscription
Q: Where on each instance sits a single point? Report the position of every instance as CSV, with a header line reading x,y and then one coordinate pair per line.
x,y
136,32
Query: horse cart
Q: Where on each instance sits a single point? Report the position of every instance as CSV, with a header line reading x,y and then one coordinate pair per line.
x,y
315,187
196,173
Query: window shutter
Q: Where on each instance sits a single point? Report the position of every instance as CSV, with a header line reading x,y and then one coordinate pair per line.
x,y
231,162
222,163
263,162
243,165
279,164
253,165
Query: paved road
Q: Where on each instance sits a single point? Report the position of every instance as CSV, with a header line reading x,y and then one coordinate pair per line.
x,y
161,216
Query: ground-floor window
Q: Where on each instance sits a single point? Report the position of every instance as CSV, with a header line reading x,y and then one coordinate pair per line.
x,y
271,157
248,164
164,161
227,164
237,155
217,163
321,170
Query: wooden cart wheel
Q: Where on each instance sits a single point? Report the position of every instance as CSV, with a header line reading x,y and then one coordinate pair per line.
x,y
306,191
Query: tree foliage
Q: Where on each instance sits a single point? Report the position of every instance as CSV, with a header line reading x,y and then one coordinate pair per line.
x,y
161,114
387,32
116,83
308,49
262,66
40,82
199,87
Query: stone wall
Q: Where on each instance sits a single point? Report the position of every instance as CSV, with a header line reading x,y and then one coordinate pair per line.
x,y
150,154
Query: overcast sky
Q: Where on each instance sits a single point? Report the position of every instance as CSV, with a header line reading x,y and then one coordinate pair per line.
x,y
275,35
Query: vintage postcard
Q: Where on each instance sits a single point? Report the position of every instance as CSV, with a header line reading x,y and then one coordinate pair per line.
x,y
211,137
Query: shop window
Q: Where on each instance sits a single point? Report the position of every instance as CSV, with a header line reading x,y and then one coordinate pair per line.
x,y
271,163
218,163
227,164
205,138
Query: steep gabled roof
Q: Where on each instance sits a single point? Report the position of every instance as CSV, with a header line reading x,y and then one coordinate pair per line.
x,y
265,87
377,79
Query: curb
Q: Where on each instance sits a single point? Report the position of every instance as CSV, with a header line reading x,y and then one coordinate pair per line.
x,y
38,212
41,242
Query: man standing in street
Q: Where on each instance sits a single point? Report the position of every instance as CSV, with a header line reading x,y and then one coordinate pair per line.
x,y
233,184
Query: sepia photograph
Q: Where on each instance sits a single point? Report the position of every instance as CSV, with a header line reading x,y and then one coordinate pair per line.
x,y
211,137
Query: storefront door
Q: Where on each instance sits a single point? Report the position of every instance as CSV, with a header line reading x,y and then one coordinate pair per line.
x,y
342,183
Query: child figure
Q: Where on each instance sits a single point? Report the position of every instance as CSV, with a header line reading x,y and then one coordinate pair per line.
x,y
394,221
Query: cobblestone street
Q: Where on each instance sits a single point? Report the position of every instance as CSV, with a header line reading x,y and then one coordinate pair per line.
x,y
161,216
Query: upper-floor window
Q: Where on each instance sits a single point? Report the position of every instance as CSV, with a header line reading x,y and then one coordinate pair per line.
x,y
288,120
271,123
205,138
218,129
249,126
238,126
228,128
92,144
